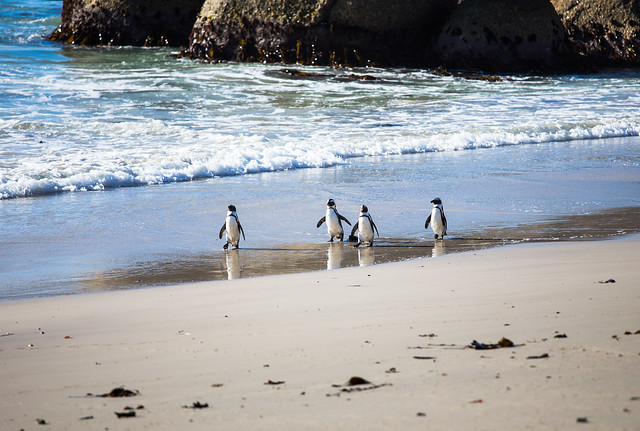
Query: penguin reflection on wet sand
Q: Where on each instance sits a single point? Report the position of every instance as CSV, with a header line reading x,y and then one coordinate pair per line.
x,y
365,227
334,221
232,259
437,219
233,227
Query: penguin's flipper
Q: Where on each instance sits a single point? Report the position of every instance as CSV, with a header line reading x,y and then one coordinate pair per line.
x,y
355,228
374,226
444,222
426,223
222,229
341,217
321,221
241,230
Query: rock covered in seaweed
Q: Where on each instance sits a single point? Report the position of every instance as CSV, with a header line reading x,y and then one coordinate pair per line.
x,y
487,35
603,32
504,36
334,32
127,22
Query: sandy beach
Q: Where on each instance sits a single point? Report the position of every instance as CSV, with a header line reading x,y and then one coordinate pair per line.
x,y
280,352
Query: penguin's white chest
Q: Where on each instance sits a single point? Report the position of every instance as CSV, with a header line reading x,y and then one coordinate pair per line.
x,y
365,229
333,223
436,222
233,231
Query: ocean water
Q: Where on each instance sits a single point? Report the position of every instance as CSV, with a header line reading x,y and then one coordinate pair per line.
x,y
117,164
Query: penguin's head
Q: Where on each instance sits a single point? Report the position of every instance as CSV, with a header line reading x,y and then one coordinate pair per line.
x,y
331,203
436,201
232,208
364,209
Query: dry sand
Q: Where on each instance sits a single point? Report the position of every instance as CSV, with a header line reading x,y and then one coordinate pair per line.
x,y
401,326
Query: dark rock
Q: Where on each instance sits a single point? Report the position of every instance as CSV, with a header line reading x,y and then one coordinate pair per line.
x,y
354,381
130,22
603,32
319,32
504,36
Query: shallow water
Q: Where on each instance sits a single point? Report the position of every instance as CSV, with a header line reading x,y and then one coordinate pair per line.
x,y
152,235
117,164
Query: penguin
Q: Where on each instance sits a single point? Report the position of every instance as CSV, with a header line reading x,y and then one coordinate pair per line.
x,y
365,227
334,221
437,219
233,227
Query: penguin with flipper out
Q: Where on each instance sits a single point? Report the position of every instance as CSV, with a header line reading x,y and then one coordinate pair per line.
x,y
365,227
437,219
233,228
334,221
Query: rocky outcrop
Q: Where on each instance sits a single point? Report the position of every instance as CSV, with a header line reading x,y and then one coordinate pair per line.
x,y
488,35
127,22
504,36
603,32
336,32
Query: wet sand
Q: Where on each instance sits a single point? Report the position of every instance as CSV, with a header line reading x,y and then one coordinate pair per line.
x,y
304,257
286,352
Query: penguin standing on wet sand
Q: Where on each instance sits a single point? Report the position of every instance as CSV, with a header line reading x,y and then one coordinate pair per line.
x,y
233,227
437,219
334,221
365,227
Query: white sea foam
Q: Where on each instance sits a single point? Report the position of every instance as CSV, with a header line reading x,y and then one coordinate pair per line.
x,y
157,160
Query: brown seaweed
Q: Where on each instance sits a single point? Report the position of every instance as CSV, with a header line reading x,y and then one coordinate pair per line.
x,y
118,393
197,405
504,342
543,356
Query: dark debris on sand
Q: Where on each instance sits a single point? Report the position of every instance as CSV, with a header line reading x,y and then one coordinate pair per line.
x,y
117,393
356,384
504,342
197,405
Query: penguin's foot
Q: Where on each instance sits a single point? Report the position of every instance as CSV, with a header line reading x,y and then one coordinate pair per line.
x,y
331,240
357,245
235,247
226,246
436,236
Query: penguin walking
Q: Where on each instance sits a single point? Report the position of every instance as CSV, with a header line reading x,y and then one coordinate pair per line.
x,y
334,221
233,227
437,219
365,227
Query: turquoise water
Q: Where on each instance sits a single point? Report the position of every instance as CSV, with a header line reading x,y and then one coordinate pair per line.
x,y
121,158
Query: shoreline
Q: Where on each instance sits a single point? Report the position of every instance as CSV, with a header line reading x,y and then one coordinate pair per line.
x,y
402,326
293,258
